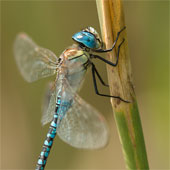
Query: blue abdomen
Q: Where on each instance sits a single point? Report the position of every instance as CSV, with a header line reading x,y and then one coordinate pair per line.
x,y
61,109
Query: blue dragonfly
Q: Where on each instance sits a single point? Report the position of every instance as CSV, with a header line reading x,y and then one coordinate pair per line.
x,y
75,121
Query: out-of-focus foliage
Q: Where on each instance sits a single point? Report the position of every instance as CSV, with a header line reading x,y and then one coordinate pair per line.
x,y
51,24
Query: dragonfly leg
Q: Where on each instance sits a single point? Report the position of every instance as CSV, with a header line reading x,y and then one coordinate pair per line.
x,y
108,50
100,94
98,75
108,62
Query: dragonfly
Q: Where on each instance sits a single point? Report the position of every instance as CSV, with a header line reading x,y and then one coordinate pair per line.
x,y
74,120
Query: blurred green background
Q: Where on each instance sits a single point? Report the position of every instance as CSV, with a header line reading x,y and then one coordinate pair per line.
x,y
51,24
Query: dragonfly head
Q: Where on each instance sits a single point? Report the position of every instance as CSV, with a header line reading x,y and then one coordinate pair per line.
x,y
88,38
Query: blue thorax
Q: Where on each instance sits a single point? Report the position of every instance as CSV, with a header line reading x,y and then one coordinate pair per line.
x,y
86,38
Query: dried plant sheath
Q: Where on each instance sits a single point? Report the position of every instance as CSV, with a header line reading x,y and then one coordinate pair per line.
x,y
127,118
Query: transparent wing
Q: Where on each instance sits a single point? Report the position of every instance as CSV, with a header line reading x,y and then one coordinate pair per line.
x,y
49,104
33,61
82,126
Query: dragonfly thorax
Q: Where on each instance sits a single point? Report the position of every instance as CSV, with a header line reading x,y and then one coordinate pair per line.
x,y
76,56
74,63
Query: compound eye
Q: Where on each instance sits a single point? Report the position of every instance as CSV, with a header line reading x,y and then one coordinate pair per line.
x,y
85,38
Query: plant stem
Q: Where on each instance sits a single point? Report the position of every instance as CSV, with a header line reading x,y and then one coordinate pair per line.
x,y
127,117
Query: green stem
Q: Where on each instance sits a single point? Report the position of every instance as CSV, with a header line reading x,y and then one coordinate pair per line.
x,y
127,117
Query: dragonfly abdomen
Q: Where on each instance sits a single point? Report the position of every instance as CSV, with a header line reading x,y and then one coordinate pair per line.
x,y
49,139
